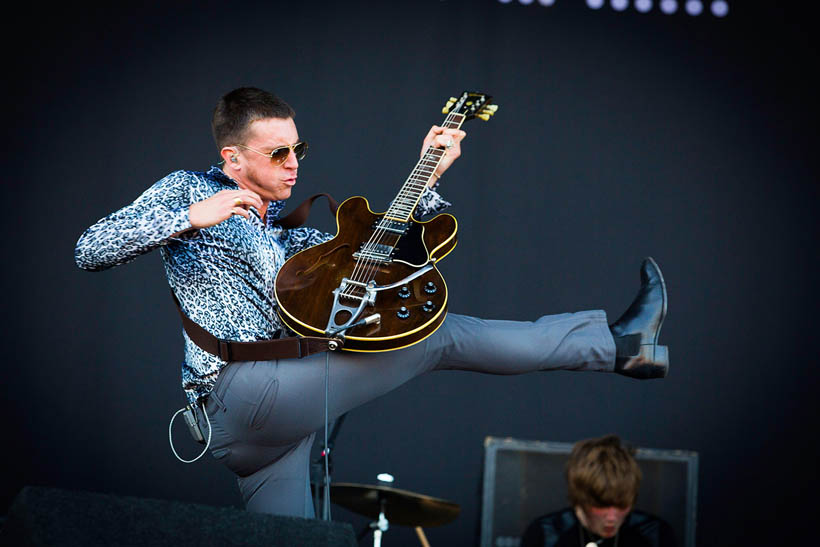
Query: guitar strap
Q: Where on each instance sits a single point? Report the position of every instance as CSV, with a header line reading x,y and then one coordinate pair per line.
x,y
294,347
299,215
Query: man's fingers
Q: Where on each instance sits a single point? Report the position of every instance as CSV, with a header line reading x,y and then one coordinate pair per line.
x,y
244,198
241,212
435,130
448,138
252,197
440,137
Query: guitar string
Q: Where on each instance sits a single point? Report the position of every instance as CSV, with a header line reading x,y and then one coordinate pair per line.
x,y
367,266
410,188
403,200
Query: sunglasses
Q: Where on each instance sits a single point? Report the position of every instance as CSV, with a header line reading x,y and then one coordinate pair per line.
x,y
280,154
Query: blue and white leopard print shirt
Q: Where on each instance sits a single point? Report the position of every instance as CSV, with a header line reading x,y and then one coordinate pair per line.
x,y
223,275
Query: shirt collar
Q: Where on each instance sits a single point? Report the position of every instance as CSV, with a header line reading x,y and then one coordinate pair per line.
x,y
274,207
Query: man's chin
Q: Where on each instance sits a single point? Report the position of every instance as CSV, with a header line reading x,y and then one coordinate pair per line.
x,y
283,194
608,532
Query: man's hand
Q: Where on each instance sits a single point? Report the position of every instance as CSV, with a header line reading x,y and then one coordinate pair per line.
x,y
222,206
450,141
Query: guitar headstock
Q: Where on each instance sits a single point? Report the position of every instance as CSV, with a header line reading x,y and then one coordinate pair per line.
x,y
472,105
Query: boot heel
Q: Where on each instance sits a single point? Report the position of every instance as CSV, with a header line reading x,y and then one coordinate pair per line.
x,y
651,362
662,357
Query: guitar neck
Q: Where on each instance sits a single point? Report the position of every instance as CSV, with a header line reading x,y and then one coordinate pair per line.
x,y
407,199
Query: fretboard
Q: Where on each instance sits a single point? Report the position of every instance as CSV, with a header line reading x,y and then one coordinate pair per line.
x,y
408,197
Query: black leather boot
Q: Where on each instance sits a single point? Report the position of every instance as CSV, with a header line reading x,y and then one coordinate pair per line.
x,y
637,353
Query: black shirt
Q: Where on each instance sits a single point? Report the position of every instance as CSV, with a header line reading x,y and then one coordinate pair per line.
x,y
562,529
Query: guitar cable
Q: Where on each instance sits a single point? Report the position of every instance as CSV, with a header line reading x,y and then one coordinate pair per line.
x,y
326,449
190,419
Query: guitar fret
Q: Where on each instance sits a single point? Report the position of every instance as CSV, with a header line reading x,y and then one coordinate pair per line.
x,y
408,197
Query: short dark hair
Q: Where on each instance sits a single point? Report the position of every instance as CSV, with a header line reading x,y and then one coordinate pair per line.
x,y
238,109
602,472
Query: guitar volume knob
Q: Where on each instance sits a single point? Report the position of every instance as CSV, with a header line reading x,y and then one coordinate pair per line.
x,y
430,287
428,306
403,313
404,292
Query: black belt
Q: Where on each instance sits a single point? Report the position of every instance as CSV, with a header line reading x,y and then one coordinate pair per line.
x,y
263,350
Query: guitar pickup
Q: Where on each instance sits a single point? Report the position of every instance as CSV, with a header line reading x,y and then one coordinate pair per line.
x,y
375,251
393,226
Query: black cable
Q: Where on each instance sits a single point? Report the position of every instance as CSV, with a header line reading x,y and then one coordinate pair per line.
x,y
326,451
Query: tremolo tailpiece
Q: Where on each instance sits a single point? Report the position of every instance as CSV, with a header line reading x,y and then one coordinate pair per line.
x,y
335,329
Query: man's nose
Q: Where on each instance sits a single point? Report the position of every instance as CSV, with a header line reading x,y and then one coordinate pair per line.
x,y
292,162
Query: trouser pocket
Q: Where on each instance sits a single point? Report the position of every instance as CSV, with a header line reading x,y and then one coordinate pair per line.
x,y
267,398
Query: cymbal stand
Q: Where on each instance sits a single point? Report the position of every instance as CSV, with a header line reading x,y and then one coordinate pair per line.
x,y
380,526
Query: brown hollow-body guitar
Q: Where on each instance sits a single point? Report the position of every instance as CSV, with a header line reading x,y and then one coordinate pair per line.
x,y
376,283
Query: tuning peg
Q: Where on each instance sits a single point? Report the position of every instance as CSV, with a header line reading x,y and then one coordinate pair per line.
x,y
445,110
453,99
492,107
485,117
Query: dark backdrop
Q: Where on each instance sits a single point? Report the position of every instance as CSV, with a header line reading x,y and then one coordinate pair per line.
x,y
619,135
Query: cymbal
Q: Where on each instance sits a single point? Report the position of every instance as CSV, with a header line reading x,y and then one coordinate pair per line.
x,y
401,506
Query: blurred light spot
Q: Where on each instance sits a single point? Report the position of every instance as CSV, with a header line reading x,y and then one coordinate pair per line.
x,y
546,2
694,7
643,5
595,4
505,1
619,5
720,8
525,2
669,6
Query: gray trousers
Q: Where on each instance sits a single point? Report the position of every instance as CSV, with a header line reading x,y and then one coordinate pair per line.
x,y
265,414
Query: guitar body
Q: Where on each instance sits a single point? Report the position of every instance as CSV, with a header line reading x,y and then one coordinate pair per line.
x,y
376,284
409,312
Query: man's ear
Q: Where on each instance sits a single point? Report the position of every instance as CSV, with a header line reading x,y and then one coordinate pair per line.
x,y
230,155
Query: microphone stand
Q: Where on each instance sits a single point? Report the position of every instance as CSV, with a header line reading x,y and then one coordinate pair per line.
x,y
317,470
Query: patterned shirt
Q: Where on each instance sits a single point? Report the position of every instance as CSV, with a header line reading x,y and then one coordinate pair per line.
x,y
223,275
